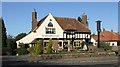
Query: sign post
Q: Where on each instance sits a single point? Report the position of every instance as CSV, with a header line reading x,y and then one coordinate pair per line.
x,y
98,30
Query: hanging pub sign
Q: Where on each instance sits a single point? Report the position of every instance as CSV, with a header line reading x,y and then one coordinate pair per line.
x,y
98,25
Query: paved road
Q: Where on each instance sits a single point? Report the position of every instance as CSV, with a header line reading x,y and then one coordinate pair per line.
x,y
107,61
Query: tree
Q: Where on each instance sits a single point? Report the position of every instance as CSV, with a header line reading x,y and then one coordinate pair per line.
x,y
11,43
38,47
4,37
49,47
19,36
79,19
22,50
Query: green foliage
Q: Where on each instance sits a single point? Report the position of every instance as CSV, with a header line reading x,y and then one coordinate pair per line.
x,y
11,44
38,48
105,45
79,19
22,50
6,51
19,36
3,32
49,47
31,50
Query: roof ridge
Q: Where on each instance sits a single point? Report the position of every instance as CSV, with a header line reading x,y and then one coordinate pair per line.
x,y
64,17
72,23
111,32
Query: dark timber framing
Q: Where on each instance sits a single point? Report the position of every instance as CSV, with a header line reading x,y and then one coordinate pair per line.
x,y
77,35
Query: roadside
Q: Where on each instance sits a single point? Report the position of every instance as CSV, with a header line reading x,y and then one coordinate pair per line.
x,y
23,60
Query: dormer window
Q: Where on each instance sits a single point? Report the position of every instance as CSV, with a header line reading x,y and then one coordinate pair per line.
x,y
50,24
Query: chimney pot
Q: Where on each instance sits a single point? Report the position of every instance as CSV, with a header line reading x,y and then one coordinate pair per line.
x,y
111,30
103,29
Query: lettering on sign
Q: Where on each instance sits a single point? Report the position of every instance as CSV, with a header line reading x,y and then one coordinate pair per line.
x,y
50,35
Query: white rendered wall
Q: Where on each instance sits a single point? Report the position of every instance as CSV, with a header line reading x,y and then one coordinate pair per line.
x,y
92,40
27,39
111,43
41,31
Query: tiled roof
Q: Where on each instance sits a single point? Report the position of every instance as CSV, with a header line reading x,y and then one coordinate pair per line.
x,y
68,23
70,27
40,22
108,36
73,23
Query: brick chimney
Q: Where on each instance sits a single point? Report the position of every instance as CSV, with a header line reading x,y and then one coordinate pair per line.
x,y
34,19
84,19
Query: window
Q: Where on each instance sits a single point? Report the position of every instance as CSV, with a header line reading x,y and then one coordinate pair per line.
x,y
50,19
112,44
50,30
50,24
74,43
45,44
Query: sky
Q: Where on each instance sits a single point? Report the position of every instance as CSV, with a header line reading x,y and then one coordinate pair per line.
x,y
18,15
60,0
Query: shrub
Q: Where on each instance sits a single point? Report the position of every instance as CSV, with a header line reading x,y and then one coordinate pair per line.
x,y
31,50
6,51
49,47
22,50
105,45
38,47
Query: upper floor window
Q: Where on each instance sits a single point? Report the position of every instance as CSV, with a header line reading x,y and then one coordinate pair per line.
x,y
50,24
50,30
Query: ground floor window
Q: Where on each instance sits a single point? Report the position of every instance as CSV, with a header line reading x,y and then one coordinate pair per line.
x,y
77,43
26,45
45,44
